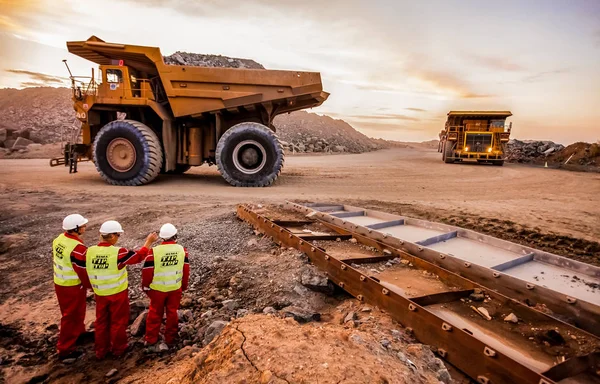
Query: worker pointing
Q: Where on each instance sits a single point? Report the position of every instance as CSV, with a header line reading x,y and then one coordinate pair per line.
x,y
70,283
165,275
106,268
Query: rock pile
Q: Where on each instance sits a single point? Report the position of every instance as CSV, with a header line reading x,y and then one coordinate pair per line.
x,y
200,60
303,132
528,151
45,113
15,140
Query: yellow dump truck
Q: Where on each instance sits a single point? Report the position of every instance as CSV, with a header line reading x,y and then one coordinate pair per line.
x,y
145,117
475,136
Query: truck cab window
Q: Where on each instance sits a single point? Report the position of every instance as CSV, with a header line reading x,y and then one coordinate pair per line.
x,y
114,76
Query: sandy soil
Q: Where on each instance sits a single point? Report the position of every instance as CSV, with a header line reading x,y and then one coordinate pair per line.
x,y
551,209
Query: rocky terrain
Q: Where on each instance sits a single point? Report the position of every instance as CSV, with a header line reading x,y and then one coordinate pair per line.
x,y
530,150
45,116
308,132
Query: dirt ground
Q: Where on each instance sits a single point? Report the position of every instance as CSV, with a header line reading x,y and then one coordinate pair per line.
x,y
551,209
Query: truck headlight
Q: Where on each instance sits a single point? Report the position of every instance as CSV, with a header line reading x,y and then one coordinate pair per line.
x,y
490,150
466,149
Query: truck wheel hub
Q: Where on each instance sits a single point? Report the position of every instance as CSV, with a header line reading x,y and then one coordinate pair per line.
x,y
249,157
121,154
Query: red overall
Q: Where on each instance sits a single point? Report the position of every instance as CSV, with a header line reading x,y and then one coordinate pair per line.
x,y
112,312
161,302
72,302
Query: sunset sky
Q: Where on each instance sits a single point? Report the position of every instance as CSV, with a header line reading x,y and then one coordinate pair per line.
x,y
393,68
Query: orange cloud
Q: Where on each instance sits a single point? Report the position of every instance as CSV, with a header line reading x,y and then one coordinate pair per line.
x,y
39,79
446,81
385,117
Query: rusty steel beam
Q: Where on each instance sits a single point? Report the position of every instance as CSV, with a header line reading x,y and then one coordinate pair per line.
x,y
456,346
582,314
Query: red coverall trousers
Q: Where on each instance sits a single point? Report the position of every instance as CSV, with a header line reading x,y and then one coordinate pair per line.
x,y
112,319
71,301
159,303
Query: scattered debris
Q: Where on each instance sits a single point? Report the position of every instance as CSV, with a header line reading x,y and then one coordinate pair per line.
x,y
512,318
482,312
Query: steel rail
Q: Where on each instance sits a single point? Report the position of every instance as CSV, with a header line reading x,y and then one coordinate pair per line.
x,y
455,345
581,313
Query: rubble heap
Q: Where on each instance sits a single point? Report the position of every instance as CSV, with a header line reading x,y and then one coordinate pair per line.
x,y
200,60
303,132
527,151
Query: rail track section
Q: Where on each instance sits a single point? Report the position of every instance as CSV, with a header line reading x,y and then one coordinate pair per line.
x,y
465,322
568,288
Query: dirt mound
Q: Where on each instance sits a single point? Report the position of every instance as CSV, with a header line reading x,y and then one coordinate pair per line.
x,y
584,154
268,349
308,132
201,60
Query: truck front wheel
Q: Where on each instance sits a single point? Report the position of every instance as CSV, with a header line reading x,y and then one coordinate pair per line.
x,y
249,155
127,152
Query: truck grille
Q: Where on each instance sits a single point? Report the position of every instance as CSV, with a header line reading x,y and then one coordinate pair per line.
x,y
478,142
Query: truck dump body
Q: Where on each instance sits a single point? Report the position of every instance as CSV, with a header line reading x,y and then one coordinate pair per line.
x,y
192,91
146,117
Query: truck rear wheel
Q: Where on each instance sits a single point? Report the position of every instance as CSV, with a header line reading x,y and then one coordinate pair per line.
x,y
249,155
127,152
448,152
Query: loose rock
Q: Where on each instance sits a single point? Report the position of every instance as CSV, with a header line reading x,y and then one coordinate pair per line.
x,y
301,315
213,331
512,318
139,325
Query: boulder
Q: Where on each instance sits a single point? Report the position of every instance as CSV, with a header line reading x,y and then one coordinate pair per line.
x,y
9,143
214,330
21,143
316,281
139,325
231,305
3,135
301,315
24,133
339,148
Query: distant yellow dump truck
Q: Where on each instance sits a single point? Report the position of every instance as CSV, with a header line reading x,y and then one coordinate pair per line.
x,y
146,117
475,136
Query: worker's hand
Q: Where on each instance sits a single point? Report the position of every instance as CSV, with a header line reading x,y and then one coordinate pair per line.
x,y
152,237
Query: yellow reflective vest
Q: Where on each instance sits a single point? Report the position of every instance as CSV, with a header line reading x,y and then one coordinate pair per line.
x,y
64,274
102,264
168,267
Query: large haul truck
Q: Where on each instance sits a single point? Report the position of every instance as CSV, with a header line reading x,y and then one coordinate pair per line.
x,y
475,136
146,117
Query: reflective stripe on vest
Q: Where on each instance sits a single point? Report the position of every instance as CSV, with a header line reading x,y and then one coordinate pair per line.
x,y
64,274
102,265
168,267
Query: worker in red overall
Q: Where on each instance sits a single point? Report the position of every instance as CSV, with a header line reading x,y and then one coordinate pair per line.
x,y
106,268
165,275
70,283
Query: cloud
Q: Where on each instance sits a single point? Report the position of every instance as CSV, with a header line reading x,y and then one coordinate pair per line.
x,y
540,75
445,81
385,127
39,79
384,117
496,63
416,109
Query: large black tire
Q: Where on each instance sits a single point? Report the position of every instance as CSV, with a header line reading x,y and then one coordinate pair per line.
x,y
249,155
136,157
448,152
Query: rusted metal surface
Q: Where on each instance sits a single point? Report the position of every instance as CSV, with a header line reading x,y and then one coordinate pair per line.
x,y
565,306
459,347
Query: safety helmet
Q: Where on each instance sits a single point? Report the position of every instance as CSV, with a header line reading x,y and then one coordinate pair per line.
x,y
110,226
167,231
74,221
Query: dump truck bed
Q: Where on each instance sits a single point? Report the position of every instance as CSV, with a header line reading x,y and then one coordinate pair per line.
x,y
193,91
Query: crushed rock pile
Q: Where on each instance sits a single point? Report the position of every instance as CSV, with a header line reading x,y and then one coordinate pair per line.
x,y
529,151
303,132
201,60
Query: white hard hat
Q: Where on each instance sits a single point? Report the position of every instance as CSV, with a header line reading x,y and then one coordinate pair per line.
x,y
110,226
74,221
167,231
